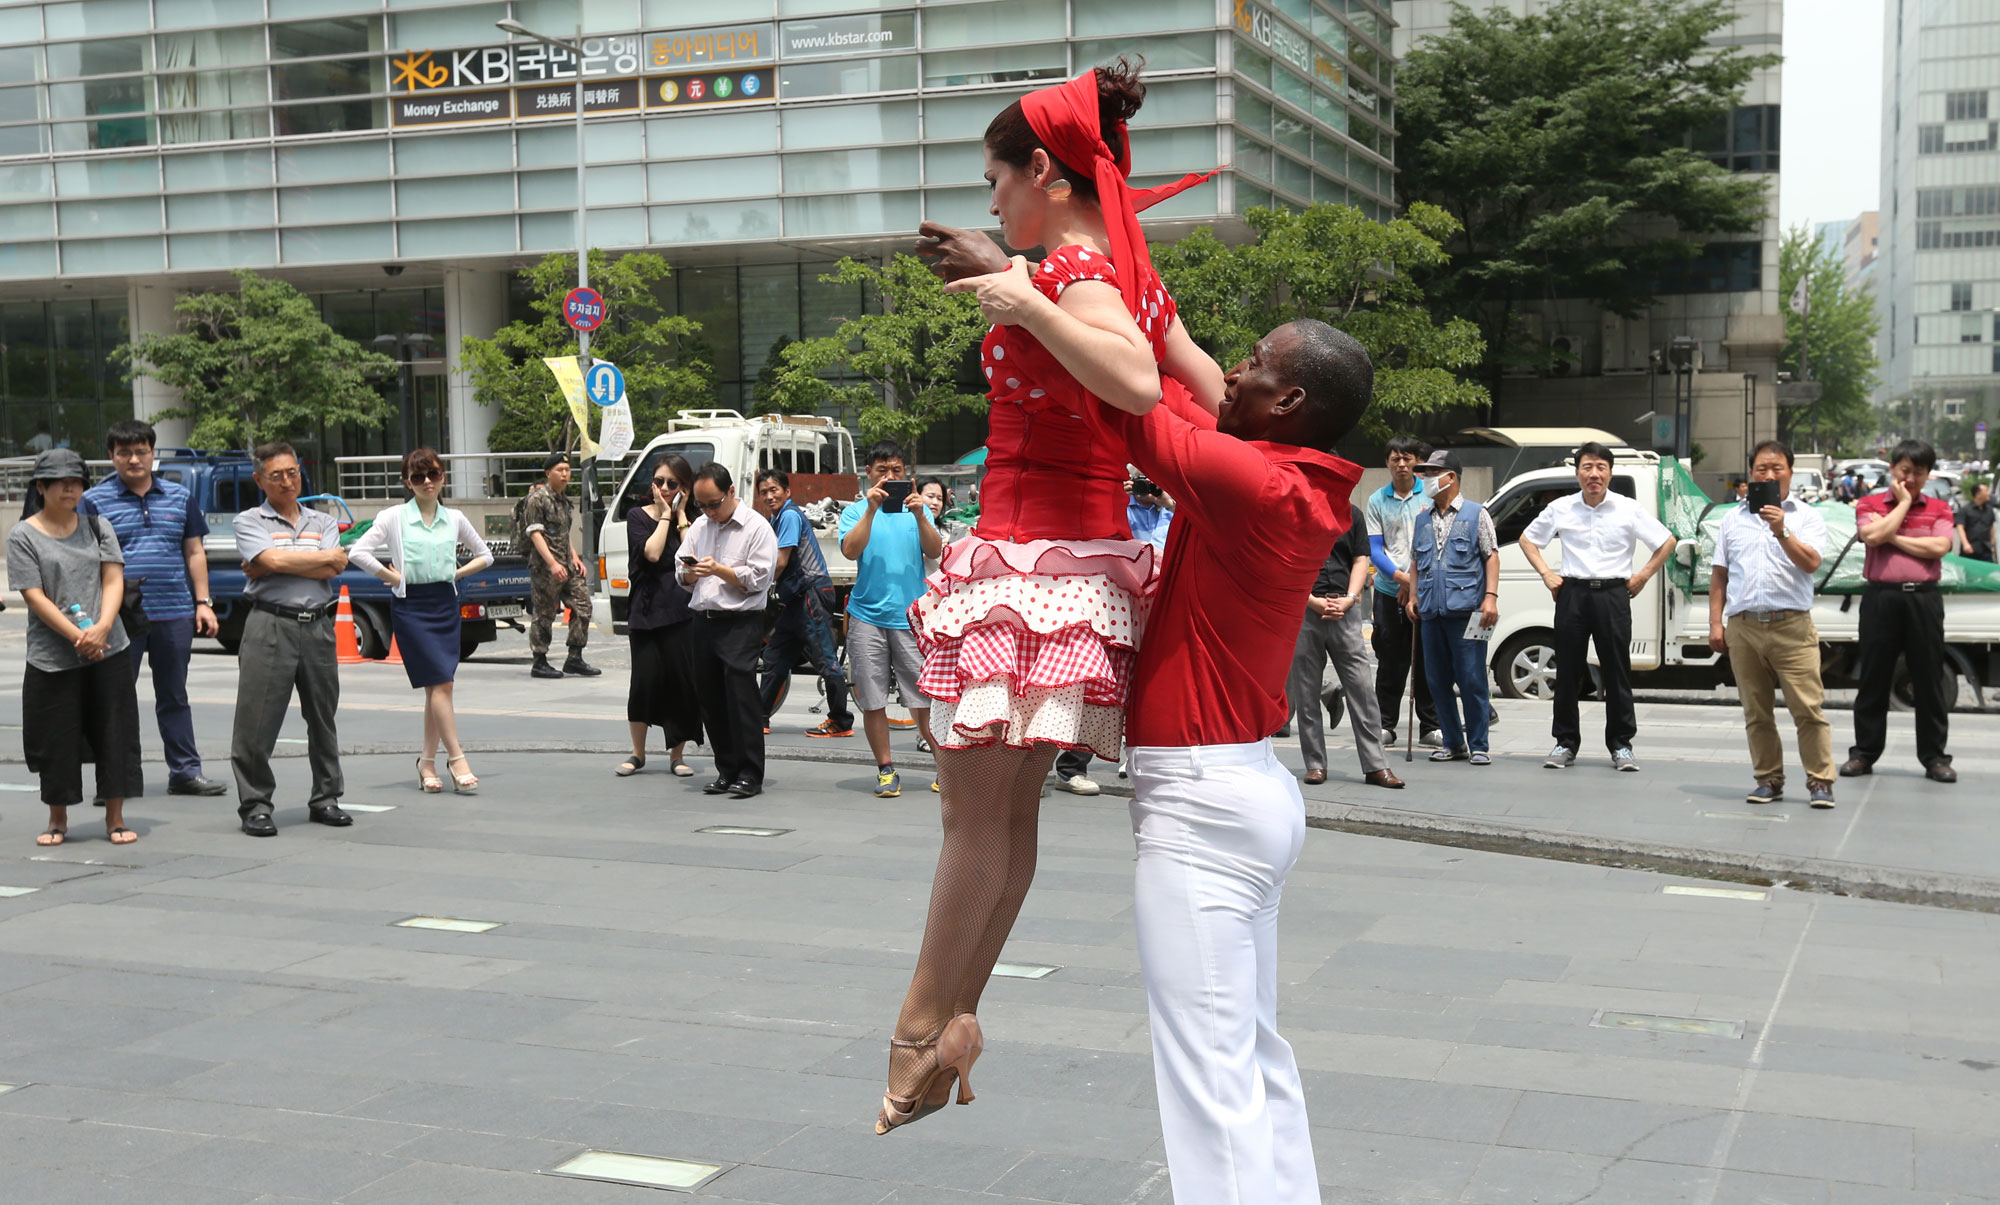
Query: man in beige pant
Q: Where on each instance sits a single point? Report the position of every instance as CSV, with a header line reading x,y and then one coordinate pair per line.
x,y
1760,613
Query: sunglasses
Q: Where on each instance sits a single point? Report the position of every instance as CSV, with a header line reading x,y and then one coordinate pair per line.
x,y
667,483
715,505
426,476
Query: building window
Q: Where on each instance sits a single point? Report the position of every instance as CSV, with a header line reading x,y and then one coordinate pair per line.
x,y
1743,140
1720,268
1931,141
1969,329
1961,296
1965,106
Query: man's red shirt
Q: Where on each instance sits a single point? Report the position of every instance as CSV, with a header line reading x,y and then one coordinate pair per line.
x,y
1252,523
1927,518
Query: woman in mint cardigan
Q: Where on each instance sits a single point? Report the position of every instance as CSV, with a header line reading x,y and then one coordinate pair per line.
x,y
419,541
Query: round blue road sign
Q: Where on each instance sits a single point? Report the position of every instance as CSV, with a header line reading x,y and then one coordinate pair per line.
x,y
604,384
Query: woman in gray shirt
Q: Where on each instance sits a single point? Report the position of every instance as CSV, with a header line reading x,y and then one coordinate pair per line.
x,y
77,695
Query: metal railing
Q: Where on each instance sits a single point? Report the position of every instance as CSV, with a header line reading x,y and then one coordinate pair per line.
x,y
473,475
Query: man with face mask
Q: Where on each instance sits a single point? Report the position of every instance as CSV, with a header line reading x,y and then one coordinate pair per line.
x,y
1599,531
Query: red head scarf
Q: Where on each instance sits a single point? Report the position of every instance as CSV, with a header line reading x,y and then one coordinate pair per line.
x,y
1066,118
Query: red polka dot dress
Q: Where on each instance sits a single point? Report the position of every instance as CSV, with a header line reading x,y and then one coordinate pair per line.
x,y
1031,625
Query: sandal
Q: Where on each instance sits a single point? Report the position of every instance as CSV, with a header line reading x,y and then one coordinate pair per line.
x,y
466,783
954,1050
631,765
683,770
128,835
428,782
53,837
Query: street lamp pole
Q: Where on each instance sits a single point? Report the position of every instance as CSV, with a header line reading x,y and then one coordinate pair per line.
x,y
582,214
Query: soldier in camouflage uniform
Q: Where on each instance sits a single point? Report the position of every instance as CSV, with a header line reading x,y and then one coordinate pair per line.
x,y
556,572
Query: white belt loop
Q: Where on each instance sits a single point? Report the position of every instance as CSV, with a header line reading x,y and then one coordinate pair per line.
x,y
1194,760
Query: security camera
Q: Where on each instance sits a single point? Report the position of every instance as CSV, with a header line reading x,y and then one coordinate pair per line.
x,y
392,269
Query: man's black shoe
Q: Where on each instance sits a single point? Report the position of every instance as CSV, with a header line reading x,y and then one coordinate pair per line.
x,y
1854,767
719,787
542,669
581,668
1940,771
330,815
743,788
195,786
260,824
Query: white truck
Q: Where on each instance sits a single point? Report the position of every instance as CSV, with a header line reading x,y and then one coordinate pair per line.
x,y
817,452
1670,617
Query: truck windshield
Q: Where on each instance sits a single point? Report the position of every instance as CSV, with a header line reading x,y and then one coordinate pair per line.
x,y
1514,510
639,486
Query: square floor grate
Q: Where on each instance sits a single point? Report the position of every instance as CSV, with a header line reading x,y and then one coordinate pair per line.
x,y
1699,1026
645,1171
448,924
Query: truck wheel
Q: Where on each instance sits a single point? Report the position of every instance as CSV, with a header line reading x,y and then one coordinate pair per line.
x,y
1525,667
467,645
1902,698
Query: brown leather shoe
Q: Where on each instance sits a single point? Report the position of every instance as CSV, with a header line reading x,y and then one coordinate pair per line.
x,y
1854,767
1315,777
1383,778
1940,771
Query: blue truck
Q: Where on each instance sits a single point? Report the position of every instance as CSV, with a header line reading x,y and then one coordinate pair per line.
x,y
495,596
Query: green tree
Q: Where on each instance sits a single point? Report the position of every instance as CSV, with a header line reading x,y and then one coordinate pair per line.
x,y
1561,141
659,353
907,359
258,364
1332,263
1840,348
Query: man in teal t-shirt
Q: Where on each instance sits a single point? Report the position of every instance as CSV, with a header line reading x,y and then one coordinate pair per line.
x,y
888,551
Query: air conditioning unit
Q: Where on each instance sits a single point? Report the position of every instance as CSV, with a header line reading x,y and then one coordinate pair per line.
x,y
1567,349
1626,343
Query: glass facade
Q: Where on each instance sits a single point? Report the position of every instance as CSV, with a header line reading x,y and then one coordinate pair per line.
x,y
142,139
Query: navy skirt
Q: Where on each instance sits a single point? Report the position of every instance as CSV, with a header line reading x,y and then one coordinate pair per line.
x,y
426,627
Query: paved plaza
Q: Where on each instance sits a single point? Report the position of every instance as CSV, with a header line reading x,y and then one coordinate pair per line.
x,y
206,1017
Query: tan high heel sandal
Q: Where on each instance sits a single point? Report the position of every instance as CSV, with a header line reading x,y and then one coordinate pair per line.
x,y
957,1046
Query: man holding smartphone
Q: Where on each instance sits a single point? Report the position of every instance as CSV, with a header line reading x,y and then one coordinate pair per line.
x,y
887,535
1599,531
727,561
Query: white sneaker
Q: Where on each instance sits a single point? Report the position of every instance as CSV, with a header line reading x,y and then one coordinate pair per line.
x,y
1431,738
1078,784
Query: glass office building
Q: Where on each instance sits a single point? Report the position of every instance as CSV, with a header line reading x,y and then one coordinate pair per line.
x,y
399,161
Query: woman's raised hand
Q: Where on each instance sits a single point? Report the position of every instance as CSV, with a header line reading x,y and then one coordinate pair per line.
x,y
1005,298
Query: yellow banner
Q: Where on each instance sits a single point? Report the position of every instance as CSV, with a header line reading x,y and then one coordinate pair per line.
x,y
570,377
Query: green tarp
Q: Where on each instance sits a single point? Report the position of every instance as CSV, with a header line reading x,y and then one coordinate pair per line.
x,y
1690,513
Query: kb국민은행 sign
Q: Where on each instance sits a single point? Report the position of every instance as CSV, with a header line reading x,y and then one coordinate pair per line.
x,y
517,63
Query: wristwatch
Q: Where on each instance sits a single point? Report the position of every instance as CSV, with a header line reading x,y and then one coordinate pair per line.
x,y
205,602
1784,533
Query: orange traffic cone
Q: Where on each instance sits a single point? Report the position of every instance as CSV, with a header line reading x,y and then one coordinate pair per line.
x,y
346,646
395,656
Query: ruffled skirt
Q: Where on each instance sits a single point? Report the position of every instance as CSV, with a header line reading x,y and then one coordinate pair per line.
x,y
1034,643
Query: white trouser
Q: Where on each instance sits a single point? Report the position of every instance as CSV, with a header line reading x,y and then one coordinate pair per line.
x,y
1218,828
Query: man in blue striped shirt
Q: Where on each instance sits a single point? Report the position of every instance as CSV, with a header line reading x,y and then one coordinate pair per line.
x,y
160,526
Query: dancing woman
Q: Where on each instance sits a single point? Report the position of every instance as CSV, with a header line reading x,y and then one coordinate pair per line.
x,y
420,540
1031,625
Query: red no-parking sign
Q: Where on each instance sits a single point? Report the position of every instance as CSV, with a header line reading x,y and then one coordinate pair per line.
x,y
583,309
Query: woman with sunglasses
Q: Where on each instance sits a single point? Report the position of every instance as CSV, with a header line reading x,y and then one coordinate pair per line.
x,y
658,621
420,540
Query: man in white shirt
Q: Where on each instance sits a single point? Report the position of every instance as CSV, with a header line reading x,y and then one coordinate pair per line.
x,y
1599,531
1760,596
727,561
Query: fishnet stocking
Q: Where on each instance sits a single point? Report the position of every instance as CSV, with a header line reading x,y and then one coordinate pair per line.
x,y
991,801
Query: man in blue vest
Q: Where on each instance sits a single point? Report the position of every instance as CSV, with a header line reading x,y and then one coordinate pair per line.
x,y
1455,561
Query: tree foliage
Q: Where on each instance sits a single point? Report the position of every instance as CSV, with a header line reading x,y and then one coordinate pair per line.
x,y
256,365
660,354
1332,263
906,360
1839,339
1561,143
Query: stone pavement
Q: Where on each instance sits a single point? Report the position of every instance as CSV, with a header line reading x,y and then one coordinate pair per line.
x,y
207,1017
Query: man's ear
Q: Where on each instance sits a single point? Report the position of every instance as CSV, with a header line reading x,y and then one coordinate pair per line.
x,y
1293,402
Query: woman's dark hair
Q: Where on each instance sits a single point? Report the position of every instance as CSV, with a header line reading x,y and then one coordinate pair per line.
x,y
1119,95
678,468
421,458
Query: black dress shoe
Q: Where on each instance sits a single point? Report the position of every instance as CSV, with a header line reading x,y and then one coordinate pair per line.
x,y
1854,767
330,815
1940,771
719,787
260,824
743,788
581,668
542,669
195,786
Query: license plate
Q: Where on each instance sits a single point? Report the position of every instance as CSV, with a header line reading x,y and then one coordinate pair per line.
x,y
506,611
